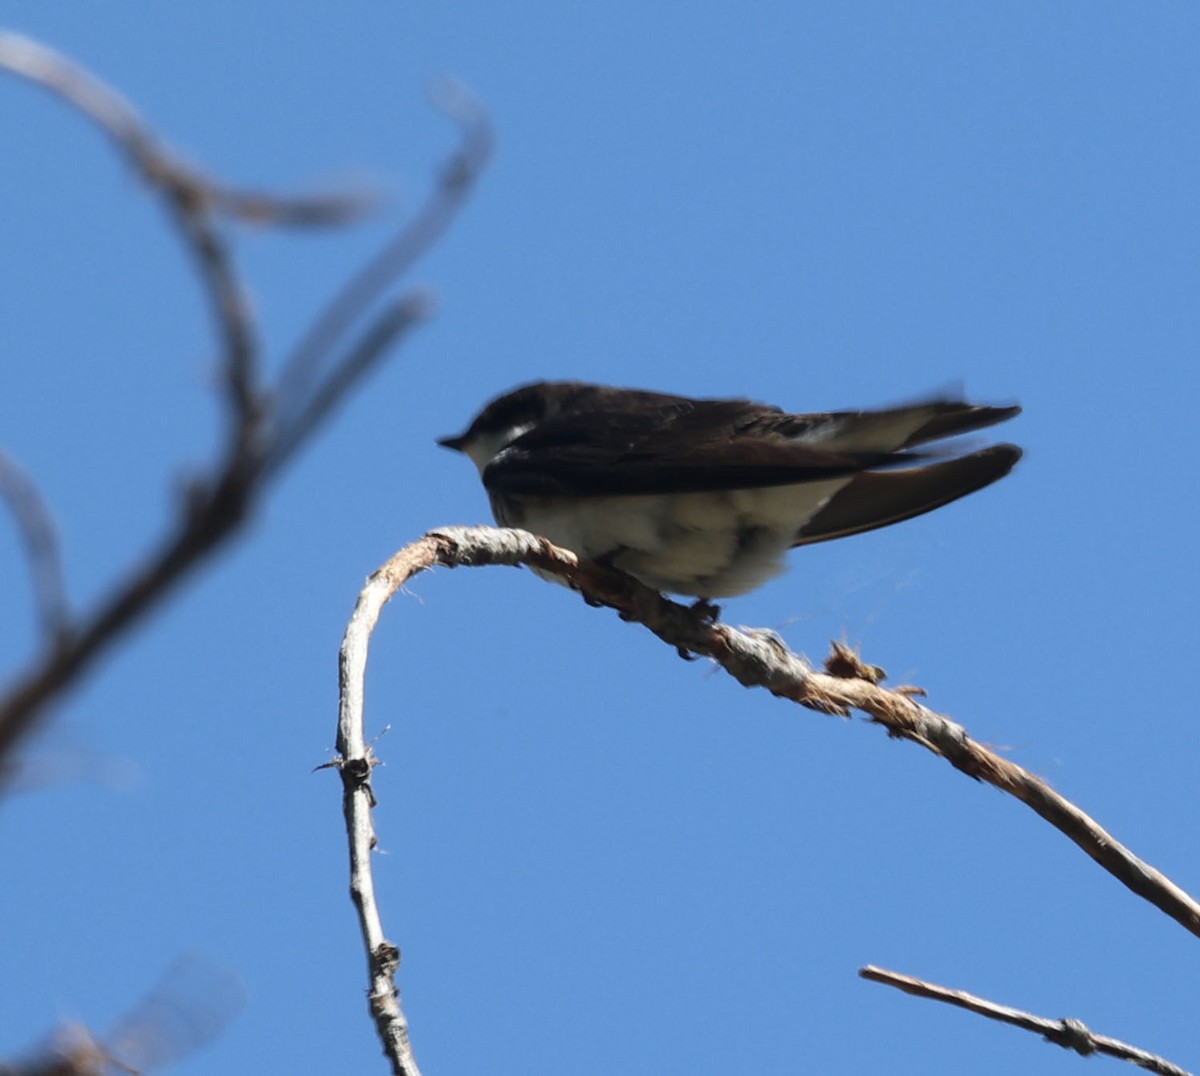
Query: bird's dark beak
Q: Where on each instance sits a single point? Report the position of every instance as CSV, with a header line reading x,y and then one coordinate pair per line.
x,y
455,443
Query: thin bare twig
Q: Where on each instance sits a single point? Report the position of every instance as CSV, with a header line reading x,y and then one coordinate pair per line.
x,y
421,232
40,538
119,120
1067,1033
392,323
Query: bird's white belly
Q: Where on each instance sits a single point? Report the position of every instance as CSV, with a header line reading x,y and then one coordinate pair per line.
x,y
708,545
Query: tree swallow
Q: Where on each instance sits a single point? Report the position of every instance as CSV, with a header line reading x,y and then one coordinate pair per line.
x,y
705,497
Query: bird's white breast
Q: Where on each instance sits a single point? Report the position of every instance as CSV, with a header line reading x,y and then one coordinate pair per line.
x,y
710,545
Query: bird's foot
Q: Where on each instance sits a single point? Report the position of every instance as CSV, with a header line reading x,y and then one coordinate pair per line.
x,y
705,611
705,614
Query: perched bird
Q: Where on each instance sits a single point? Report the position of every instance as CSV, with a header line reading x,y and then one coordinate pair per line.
x,y
705,497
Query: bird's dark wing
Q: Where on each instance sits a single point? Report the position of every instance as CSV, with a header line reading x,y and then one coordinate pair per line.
x,y
673,444
880,498
679,448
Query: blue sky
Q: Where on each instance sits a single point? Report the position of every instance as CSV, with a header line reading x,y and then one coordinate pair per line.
x,y
600,858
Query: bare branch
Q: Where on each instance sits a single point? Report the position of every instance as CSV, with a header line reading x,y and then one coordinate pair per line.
x,y
755,658
1067,1033
40,538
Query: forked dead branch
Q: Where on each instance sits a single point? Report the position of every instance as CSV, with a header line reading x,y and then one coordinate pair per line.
x,y
266,422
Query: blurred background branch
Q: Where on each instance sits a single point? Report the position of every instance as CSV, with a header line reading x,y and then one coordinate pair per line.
x,y
267,423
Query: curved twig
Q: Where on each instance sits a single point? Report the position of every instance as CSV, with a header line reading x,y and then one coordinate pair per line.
x,y
755,658
355,761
